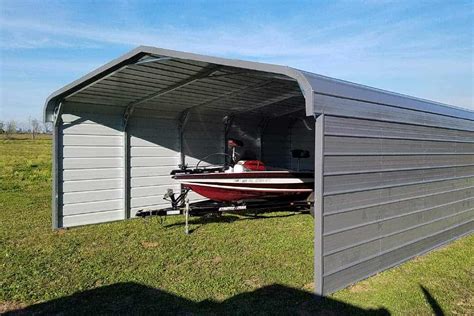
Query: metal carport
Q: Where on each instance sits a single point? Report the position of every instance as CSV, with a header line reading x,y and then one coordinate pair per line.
x,y
394,174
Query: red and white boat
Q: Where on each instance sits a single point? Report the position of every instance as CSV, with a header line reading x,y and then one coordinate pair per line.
x,y
249,180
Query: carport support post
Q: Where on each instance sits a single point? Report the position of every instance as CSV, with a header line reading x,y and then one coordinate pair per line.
x,y
126,173
55,174
318,204
56,195
126,158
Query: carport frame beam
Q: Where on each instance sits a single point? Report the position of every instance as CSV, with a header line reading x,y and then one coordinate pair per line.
x,y
318,210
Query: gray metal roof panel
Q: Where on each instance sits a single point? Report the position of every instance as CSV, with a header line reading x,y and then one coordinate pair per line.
x,y
309,83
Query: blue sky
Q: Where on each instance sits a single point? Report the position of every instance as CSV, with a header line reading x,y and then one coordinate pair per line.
x,y
420,48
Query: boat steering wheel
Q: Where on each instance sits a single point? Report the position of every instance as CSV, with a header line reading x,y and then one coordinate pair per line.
x,y
215,154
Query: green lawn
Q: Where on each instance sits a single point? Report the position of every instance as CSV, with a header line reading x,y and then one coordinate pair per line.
x,y
234,265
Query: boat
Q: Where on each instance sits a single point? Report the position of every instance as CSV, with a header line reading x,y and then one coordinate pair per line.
x,y
247,180
238,186
249,185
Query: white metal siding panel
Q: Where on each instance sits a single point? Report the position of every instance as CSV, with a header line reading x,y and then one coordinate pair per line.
x,y
91,165
154,152
396,183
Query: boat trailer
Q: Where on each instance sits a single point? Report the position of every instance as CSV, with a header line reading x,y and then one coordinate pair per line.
x,y
180,205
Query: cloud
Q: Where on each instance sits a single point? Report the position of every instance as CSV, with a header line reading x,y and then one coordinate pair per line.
x,y
379,49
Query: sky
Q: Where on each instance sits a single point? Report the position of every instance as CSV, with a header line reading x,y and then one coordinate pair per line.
x,y
420,48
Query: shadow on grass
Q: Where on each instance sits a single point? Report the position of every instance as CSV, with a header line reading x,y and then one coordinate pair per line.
x,y
203,220
134,298
437,310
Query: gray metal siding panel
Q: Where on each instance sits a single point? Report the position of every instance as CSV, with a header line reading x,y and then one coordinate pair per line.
x,y
384,179
356,92
361,270
361,164
337,145
391,190
341,126
346,202
370,214
357,109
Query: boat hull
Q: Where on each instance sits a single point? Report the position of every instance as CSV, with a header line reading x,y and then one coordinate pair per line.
x,y
234,187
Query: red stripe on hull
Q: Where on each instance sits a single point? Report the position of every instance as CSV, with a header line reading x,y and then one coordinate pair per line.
x,y
232,195
307,185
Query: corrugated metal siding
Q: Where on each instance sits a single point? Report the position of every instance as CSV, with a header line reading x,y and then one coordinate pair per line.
x,y
154,152
396,183
91,149
90,166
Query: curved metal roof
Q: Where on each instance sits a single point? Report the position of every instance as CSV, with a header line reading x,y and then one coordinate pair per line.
x,y
148,76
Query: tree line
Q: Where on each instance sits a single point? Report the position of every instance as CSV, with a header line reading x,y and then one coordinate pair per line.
x,y
34,127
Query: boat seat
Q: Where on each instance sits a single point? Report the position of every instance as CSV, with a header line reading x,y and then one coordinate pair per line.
x,y
253,165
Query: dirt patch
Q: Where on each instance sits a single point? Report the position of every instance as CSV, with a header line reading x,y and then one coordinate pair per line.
x,y
359,288
217,260
61,231
465,306
253,283
149,244
10,306
309,287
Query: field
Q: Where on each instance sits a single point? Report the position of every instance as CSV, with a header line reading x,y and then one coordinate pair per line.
x,y
233,265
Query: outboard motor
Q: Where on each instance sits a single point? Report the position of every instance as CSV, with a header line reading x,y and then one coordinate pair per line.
x,y
233,143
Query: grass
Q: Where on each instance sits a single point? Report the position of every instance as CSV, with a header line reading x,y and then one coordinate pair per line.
x,y
233,265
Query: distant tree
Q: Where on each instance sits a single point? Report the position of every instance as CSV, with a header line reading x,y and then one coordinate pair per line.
x,y
34,127
2,127
10,128
47,127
